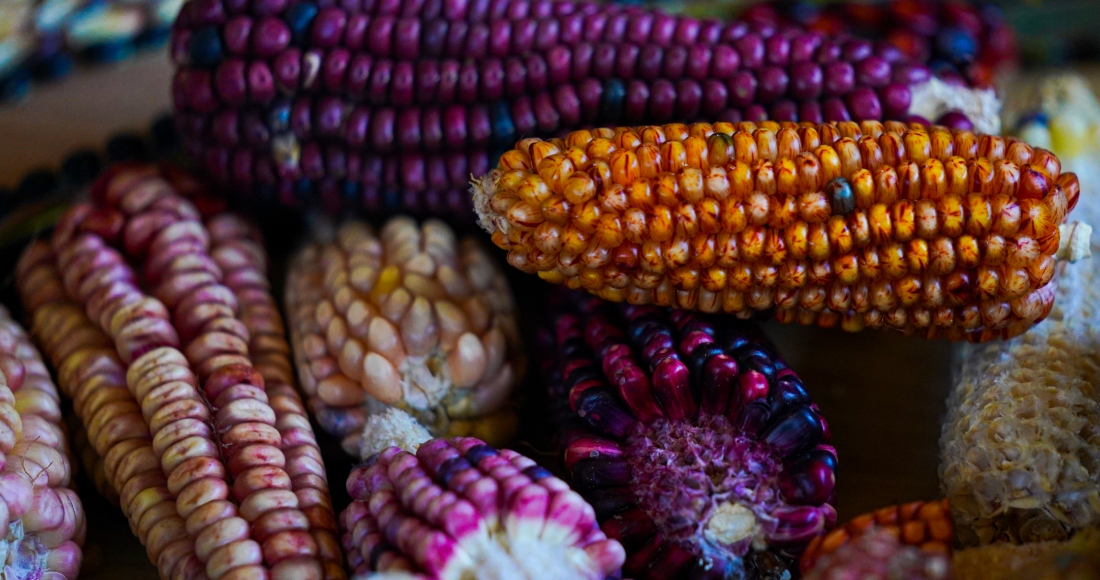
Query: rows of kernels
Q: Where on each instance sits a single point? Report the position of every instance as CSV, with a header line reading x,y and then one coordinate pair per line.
x,y
459,505
41,518
926,525
237,248
944,232
672,418
879,553
187,363
413,318
90,373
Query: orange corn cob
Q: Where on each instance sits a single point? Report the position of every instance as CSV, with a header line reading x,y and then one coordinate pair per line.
x,y
924,230
926,525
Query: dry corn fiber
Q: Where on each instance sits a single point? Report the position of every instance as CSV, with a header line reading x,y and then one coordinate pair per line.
x,y
1021,443
927,231
412,318
367,104
698,448
186,389
41,517
459,508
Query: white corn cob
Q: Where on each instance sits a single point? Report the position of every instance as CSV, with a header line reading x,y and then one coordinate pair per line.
x,y
1021,444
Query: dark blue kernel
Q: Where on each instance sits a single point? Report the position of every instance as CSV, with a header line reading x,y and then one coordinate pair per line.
x,y
164,133
1037,117
267,193
573,347
697,361
478,452
841,198
956,44
537,472
376,553
206,47
582,374
611,100
369,461
392,201
752,418
350,194
299,18
303,187
81,167
450,468
788,393
610,501
153,37
279,118
126,147
16,85
110,51
504,130
794,433
54,66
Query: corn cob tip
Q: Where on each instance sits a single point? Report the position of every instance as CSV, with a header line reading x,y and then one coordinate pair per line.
x,y
934,98
483,188
1074,242
392,428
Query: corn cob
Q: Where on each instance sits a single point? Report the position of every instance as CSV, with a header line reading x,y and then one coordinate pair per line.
x,y
938,233
413,319
269,97
41,518
1019,454
501,516
698,448
954,38
90,461
43,38
1075,559
926,525
237,458
879,554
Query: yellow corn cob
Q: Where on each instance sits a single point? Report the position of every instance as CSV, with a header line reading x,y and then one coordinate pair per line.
x,y
1021,443
413,319
928,231
1075,559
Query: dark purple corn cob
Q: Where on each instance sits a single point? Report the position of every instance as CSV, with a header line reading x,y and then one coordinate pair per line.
x,y
290,99
459,508
699,449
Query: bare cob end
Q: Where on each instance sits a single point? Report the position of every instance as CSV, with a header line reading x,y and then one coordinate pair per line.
x,y
459,508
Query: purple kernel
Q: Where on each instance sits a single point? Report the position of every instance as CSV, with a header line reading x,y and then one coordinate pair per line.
x,y
873,71
895,100
230,83
856,49
751,49
810,112
839,78
778,50
238,35
806,80
955,120
864,104
328,27
784,110
742,88
773,84
288,70
271,37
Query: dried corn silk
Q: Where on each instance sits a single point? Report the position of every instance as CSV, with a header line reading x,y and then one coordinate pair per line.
x,y
1021,444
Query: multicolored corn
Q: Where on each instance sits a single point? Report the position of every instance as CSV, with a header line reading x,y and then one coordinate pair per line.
x,y
459,508
954,38
698,448
212,452
926,231
878,554
43,38
41,518
926,525
411,318
290,100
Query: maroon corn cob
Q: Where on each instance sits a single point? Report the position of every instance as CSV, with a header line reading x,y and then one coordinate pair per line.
x,y
41,519
204,361
699,449
290,100
459,508
879,554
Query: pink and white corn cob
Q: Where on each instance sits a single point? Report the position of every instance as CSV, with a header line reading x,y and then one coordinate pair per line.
x,y
459,508
41,519
202,363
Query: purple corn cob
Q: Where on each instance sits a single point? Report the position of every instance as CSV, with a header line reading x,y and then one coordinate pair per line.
x,y
290,99
459,508
699,449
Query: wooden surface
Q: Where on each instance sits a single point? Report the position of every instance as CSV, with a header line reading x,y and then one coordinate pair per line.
x,y
883,394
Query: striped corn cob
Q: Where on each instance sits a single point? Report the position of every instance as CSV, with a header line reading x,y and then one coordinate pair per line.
x,y
41,518
412,318
879,554
954,38
212,452
1019,453
698,448
926,525
933,232
272,96
499,515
